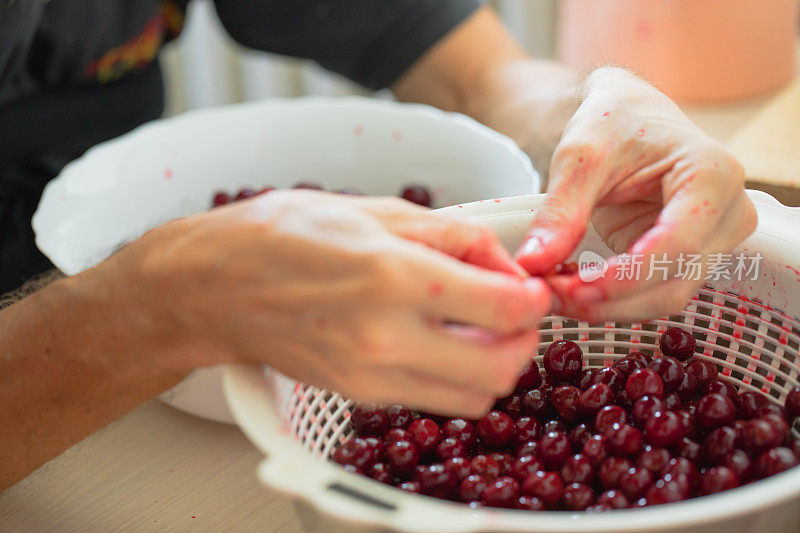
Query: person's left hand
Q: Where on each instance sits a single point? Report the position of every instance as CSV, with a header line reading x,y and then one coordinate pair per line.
x,y
651,182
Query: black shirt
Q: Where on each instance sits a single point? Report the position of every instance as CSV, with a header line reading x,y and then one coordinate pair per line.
x,y
77,72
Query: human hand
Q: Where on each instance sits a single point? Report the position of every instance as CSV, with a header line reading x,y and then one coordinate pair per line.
x,y
346,293
651,182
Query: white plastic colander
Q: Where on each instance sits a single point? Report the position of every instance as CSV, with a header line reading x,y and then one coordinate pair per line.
x,y
750,329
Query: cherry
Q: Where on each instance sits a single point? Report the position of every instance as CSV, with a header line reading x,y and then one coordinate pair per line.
x,y
750,403
402,457
461,430
671,371
623,440
530,376
774,461
450,447
530,503
680,467
719,386
645,407
220,198
703,370
417,194
611,470
598,508
608,416
396,434
672,401
593,399
716,479
369,420
687,419
495,429
627,365
554,448
595,449
614,499
536,403
524,466
502,492
677,343
613,377
510,405
565,400
653,459
309,185
458,466
688,387
634,482
527,429
577,469
357,453
794,445
714,410
437,481
792,403
718,443
377,447
399,416
485,466
587,378
555,425
772,409
563,360
664,428
644,382
578,436
577,497
666,491
424,434
505,460
758,435
471,488
687,449
530,447
409,486
244,194
380,472
739,462
547,486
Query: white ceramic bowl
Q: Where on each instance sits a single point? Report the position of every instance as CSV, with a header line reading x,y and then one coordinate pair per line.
x,y
171,168
751,330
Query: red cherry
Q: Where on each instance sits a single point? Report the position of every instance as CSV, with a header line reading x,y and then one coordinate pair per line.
x,y
595,449
396,434
598,508
794,445
792,404
614,499
688,449
688,423
424,434
530,503
563,360
652,458
640,356
671,371
644,382
624,440
634,482
565,401
717,444
645,407
666,491
495,429
402,457
220,198
680,467
578,436
471,488
369,420
577,469
664,428
719,386
714,410
484,466
758,435
608,416
593,399
380,472
536,403
458,466
774,461
524,466
627,365
555,425
587,378
417,194
703,370
399,416
577,497
435,480
309,185
547,486
461,430
613,377
677,343
510,405
357,453
527,429
554,448
244,194
716,479
409,486
750,403
450,447
530,376
672,401
505,460
739,462
502,492
688,387
611,470
530,447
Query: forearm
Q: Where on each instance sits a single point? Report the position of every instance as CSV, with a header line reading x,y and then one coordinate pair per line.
x,y
480,70
71,361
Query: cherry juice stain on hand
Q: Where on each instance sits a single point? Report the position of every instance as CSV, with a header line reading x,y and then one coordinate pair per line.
x,y
435,288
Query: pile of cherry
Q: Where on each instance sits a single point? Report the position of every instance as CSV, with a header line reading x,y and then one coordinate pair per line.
x,y
643,431
417,194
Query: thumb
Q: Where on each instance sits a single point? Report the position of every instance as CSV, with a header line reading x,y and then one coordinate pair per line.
x,y
560,224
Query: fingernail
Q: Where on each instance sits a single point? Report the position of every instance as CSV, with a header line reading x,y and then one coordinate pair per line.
x,y
532,244
588,294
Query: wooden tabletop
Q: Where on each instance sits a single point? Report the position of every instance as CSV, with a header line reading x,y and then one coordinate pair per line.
x,y
162,470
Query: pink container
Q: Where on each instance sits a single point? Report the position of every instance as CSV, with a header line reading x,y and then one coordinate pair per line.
x,y
693,50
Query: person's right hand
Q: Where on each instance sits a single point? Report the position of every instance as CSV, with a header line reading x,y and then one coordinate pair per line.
x,y
359,295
